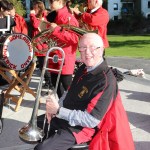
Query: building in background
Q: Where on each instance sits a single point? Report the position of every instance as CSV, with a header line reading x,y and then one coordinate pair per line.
x,y
117,8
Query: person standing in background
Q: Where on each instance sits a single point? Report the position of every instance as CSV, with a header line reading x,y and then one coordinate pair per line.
x,y
67,38
38,14
21,25
96,18
5,8
6,25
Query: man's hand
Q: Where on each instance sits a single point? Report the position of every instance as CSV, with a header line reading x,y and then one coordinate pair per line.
x,y
53,26
52,106
75,10
32,12
49,117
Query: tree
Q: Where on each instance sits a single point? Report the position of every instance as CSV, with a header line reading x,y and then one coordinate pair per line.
x,y
18,7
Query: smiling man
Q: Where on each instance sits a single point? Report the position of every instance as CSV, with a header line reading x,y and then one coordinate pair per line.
x,y
92,106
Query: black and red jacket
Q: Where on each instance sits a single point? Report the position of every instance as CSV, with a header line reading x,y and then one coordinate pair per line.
x,y
97,93
94,92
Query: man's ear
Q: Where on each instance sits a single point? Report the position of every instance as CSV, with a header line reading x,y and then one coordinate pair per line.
x,y
101,51
2,9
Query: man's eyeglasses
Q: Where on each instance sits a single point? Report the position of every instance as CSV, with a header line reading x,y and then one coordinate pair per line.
x,y
91,48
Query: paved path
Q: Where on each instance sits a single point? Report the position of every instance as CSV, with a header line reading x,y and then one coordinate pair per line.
x,y
130,63
135,97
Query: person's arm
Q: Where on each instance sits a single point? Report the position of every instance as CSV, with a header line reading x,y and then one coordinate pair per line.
x,y
21,25
96,18
92,116
62,98
96,109
65,36
68,37
24,27
77,117
34,20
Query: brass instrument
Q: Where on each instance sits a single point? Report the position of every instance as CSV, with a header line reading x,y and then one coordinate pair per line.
x,y
44,37
30,132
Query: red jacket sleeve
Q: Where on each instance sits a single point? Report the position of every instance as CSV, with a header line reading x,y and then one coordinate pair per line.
x,y
24,27
65,36
96,19
34,21
21,25
68,37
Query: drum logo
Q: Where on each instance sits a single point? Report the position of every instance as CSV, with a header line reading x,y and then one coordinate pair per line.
x,y
9,64
22,37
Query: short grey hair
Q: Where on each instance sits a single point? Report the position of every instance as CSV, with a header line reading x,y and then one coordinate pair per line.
x,y
93,36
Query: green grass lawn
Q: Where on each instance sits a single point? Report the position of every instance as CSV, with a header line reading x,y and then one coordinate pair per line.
x,y
129,46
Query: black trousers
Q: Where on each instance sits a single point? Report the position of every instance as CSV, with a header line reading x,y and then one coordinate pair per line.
x,y
47,75
64,83
63,139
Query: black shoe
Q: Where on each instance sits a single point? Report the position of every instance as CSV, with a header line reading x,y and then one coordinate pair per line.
x,y
45,86
44,93
51,87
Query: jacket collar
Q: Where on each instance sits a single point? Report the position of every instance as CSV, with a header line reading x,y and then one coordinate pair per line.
x,y
94,10
103,67
91,11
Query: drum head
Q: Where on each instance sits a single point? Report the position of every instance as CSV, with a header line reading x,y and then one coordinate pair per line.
x,y
17,51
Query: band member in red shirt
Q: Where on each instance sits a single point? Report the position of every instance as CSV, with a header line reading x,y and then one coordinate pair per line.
x,y
38,14
95,18
6,25
5,8
21,25
67,38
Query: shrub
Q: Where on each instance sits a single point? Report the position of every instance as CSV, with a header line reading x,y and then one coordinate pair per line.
x,y
129,24
19,7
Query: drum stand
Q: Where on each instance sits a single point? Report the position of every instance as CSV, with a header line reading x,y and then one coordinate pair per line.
x,y
23,80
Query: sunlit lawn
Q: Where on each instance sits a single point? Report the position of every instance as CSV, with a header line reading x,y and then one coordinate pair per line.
x,y
130,46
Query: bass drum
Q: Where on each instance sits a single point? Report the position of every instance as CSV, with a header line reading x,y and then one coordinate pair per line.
x,y
16,51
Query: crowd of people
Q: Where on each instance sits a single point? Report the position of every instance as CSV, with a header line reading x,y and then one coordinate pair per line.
x,y
89,107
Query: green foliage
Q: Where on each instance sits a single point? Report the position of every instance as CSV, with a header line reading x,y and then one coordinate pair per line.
x,y
129,24
19,7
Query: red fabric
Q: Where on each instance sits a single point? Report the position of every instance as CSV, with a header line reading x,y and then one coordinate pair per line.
x,y
93,102
84,136
98,20
35,22
21,25
68,38
114,133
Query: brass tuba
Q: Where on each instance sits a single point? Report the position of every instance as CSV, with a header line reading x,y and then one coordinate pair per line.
x,y
44,37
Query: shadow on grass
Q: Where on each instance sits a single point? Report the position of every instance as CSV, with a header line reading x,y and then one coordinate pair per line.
x,y
129,43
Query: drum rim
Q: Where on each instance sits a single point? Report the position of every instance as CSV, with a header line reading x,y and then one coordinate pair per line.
x,y
6,36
